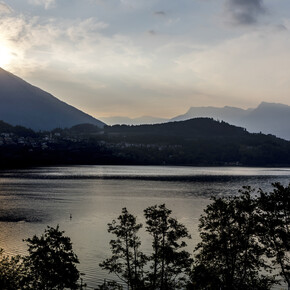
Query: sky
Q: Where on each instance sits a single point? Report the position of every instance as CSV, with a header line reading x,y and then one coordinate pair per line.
x,y
150,57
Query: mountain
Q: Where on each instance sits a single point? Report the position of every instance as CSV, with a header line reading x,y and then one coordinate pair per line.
x,y
196,142
268,118
133,121
199,141
228,114
18,130
179,130
26,105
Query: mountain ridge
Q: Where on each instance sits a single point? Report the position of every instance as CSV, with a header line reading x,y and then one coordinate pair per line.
x,y
268,118
194,142
24,104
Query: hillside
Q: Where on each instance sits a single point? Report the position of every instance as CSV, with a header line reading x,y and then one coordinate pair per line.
x,y
268,118
200,141
26,105
196,142
189,129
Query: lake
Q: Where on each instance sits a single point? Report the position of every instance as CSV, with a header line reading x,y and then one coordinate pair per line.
x,y
31,199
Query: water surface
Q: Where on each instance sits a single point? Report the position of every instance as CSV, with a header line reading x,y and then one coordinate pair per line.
x,y
94,195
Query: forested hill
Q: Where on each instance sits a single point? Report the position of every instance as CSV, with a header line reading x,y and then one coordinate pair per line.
x,y
197,142
18,130
201,141
193,128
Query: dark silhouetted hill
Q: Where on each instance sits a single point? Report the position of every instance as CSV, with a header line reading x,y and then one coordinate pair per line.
x,y
195,142
189,129
268,118
26,105
200,141
17,130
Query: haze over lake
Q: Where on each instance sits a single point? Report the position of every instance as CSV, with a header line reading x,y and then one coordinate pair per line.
x,y
94,195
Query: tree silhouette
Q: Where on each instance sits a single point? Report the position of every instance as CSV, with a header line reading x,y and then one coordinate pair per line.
x,y
12,272
229,255
169,262
51,261
127,261
275,232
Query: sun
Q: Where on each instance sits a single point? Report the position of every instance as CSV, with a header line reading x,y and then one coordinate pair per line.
x,y
5,56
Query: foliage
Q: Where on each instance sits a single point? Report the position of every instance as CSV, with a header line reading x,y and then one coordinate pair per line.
x,y
229,255
244,238
169,263
18,130
127,260
200,141
12,272
110,285
51,262
275,227
167,266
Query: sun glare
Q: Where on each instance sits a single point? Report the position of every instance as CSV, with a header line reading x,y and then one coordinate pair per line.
x,y
5,56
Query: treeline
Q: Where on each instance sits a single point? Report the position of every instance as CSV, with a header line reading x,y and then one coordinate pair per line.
x,y
245,244
200,141
197,142
50,264
18,130
189,129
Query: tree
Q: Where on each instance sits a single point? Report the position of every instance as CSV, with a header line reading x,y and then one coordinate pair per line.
x,y
167,267
12,272
169,262
127,261
229,255
110,285
275,228
51,261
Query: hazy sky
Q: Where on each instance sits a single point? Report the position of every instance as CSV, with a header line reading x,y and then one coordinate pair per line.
x,y
150,57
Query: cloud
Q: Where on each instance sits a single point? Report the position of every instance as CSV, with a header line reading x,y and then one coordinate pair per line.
x,y
74,53
88,61
243,12
76,44
152,32
281,27
160,13
252,68
46,3
4,8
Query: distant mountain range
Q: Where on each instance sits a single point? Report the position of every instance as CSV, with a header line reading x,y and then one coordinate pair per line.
x,y
26,105
268,118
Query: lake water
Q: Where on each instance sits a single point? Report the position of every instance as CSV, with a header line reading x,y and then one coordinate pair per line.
x,y
94,195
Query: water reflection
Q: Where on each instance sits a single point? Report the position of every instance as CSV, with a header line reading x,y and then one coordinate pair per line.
x,y
94,195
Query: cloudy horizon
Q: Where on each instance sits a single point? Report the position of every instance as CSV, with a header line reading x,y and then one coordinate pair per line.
x,y
154,57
